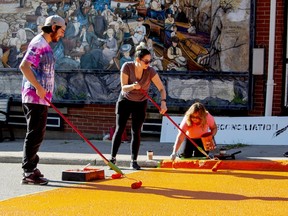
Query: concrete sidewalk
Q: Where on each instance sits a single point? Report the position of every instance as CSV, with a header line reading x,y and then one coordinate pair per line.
x,y
78,152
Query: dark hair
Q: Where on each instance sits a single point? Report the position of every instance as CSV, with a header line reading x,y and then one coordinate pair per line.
x,y
141,52
175,39
48,29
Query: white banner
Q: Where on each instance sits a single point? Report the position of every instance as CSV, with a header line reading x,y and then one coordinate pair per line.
x,y
235,130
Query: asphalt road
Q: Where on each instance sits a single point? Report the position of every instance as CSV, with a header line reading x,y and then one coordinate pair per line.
x,y
166,192
11,176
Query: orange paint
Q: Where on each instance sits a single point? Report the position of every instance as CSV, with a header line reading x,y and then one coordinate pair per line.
x,y
164,192
228,165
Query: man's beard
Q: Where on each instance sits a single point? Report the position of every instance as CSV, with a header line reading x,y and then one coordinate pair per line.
x,y
54,37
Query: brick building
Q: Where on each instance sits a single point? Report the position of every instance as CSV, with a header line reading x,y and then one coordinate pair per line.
x,y
97,119
103,115
262,21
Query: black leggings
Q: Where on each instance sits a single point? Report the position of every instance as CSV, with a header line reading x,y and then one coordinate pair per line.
x,y
137,110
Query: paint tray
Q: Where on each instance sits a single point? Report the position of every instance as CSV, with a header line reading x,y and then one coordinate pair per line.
x,y
83,175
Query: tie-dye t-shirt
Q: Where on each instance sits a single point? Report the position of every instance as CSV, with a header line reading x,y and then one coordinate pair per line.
x,y
40,55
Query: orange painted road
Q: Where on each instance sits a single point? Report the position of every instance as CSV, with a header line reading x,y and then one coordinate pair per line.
x,y
166,192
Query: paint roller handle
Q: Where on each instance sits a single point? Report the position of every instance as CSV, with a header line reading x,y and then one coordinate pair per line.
x,y
175,124
76,129
106,161
155,104
238,152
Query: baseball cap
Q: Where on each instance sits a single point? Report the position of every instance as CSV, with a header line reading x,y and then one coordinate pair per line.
x,y
55,20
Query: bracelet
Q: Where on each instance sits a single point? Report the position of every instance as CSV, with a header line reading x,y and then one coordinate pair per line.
x,y
163,100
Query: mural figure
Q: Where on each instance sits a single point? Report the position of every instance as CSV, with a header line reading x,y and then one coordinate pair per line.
x,y
103,34
196,23
125,50
110,47
139,32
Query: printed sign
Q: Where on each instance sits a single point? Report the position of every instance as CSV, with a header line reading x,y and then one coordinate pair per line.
x,y
235,130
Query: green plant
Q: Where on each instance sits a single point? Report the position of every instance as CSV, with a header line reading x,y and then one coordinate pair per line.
x,y
238,100
79,96
61,91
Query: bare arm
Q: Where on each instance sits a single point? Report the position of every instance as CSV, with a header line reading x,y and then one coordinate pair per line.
x,y
179,140
25,68
214,129
158,83
124,83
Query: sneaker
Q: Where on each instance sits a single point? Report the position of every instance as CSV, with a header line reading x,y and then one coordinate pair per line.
x,y
134,165
285,154
34,180
38,173
112,160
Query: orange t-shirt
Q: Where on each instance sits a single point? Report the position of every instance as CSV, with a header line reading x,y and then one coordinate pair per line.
x,y
196,131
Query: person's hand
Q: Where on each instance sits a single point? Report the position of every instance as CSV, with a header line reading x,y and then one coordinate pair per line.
x,y
41,92
136,86
163,108
173,156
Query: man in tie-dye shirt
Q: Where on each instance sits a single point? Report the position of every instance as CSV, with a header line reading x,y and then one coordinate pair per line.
x,y
38,67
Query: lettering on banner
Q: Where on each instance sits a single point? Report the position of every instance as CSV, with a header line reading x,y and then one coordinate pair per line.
x,y
248,127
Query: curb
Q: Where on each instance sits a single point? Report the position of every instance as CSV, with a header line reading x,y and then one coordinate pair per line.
x,y
82,161
265,164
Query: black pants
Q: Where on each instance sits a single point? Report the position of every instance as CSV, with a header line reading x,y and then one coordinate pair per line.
x,y
137,110
188,150
36,119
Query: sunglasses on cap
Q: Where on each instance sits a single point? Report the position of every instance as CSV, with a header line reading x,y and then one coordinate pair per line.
x,y
146,61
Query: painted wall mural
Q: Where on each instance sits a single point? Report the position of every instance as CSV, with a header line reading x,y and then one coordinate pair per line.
x,y
201,48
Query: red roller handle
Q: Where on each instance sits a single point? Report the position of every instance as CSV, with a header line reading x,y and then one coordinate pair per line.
x,y
176,125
